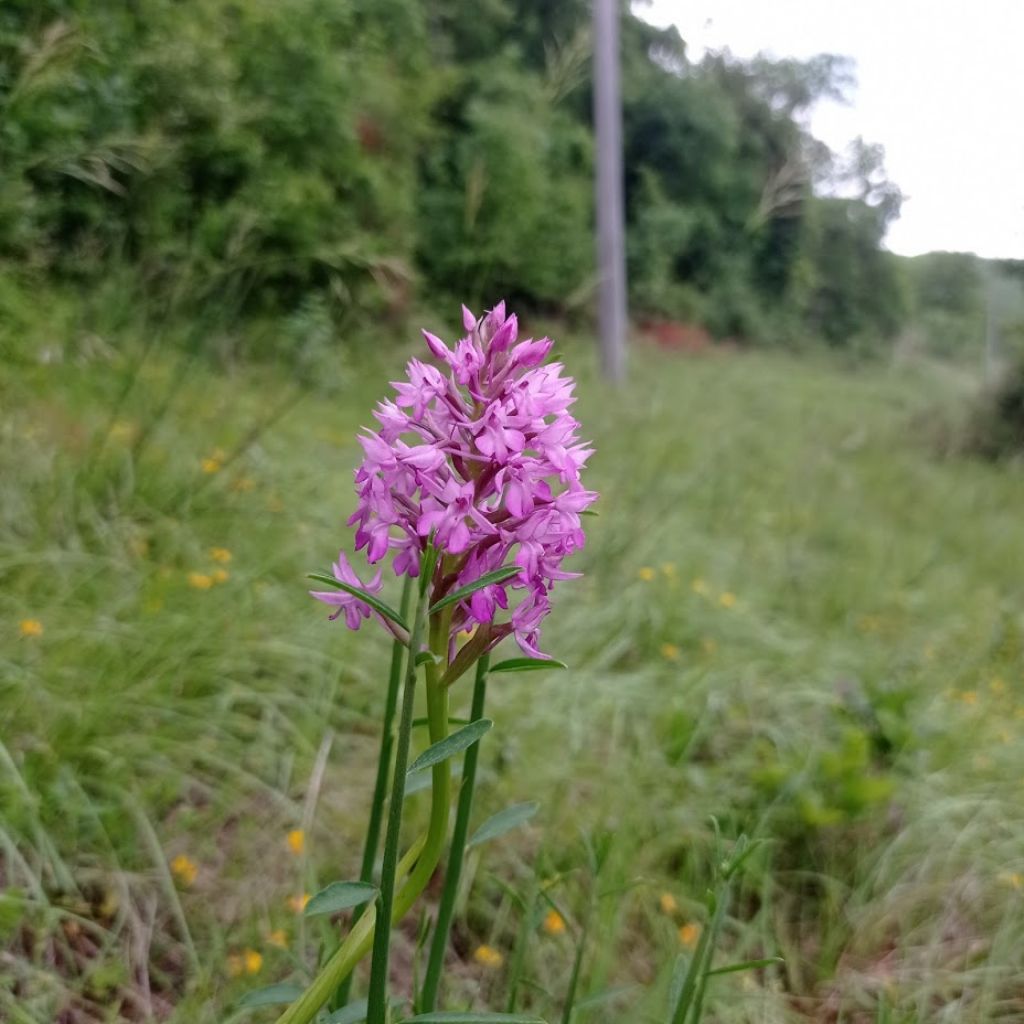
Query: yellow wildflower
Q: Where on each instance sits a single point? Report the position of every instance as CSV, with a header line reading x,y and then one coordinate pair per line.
x,y
554,923
1014,879
278,938
709,645
488,956
997,686
200,580
243,484
184,869
298,903
727,599
646,573
221,555
669,570
296,841
253,961
30,627
122,430
210,464
969,697
670,652
667,903
689,934
220,575
698,586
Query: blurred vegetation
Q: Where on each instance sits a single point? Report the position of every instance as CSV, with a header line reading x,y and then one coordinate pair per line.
x,y
364,158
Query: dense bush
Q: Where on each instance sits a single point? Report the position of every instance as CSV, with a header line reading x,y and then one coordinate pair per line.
x,y
252,154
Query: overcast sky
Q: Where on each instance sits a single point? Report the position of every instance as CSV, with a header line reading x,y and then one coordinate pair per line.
x,y
940,86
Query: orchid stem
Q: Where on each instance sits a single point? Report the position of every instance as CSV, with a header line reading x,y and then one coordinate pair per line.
x,y
446,908
387,742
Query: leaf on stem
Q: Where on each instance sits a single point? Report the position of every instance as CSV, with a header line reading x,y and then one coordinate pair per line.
x,y
502,822
354,1013
488,579
451,745
272,995
340,896
746,965
371,599
527,665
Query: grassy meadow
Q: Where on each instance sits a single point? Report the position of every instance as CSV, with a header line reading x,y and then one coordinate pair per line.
x,y
795,617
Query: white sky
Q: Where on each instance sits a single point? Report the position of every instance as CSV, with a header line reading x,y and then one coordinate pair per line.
x,y
940,86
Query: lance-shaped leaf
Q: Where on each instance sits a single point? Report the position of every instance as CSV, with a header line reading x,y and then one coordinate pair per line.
x,y
526,665
340,896
451,745
506,572
471,1017
746,965
502,822
372,600
272,995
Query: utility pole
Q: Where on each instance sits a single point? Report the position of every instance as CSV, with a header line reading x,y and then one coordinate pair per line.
x,y
611,230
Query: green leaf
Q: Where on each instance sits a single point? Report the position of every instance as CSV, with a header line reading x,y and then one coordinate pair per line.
x,y
451,745
589,512
351,1014
472,1017
502,822
506,572
747,965
340,896
428,657
526,665
272,995
374,602
423,780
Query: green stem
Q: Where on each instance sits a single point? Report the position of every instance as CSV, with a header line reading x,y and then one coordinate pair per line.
x,y
446,909
377,998
387,741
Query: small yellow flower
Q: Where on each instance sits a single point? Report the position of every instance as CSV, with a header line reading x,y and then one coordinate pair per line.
x,y
30,627
667,903
184,869
646,573
670,652
709,645
997,686
727,599
221,555
689,934
278,938
669,570
253,961
969,697
698,586
243,484
297,904
200,580
1014,879
488,956
210,464
122,430
220,575
296,841
554,923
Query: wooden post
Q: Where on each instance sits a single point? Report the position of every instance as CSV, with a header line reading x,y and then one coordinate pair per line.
x,y
611,231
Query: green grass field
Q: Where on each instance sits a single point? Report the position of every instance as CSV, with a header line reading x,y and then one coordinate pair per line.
x,y
795,617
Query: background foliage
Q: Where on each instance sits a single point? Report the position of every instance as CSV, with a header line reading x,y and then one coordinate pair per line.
x,y
364,157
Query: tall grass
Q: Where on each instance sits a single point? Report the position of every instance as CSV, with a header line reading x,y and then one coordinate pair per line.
x,y
792,618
